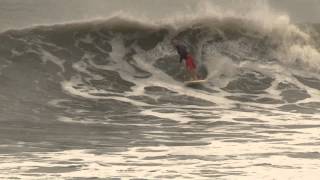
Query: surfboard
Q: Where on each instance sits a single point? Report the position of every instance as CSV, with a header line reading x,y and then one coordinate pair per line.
x,y
195,82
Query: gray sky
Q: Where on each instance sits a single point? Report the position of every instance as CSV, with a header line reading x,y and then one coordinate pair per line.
x,y
300,10
24,13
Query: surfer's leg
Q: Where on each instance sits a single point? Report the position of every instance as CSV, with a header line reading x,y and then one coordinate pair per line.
x,y
191,67
194,74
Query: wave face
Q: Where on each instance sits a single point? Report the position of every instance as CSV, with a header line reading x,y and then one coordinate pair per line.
x,y
106,98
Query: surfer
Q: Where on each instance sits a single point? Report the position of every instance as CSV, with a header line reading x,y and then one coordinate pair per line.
x,y
189,60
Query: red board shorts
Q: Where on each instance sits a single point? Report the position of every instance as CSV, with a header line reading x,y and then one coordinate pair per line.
x,y
190,63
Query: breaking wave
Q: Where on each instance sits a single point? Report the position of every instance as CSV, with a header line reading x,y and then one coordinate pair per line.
x,y
116,84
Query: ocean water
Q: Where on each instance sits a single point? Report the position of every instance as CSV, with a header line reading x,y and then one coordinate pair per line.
x,y
105,98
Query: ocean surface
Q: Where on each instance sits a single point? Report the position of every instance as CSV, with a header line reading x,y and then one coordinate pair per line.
x,y
105,99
